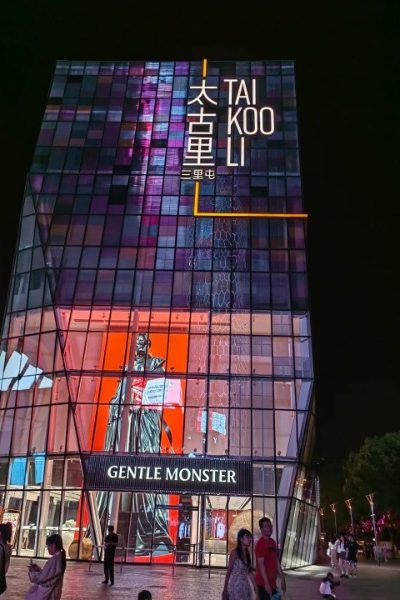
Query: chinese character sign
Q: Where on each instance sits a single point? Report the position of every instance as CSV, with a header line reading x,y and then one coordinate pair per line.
x,y
240,148
244,117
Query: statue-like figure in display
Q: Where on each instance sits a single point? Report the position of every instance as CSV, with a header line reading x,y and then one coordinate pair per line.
x,y
142,434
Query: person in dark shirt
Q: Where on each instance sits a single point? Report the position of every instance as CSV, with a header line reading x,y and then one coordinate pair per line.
x,y
110,543
352,549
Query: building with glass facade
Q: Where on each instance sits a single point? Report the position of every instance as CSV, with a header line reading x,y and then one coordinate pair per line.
x,y
155,366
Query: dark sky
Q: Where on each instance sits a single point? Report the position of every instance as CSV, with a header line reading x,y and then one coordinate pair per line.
x,y
347,68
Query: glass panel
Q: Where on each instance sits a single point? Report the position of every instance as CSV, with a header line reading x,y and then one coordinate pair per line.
x,y
286,433
74,476
239,433
283,356
195,430
50,518
263,507
187,530
3,471
12,513
35,470
261,355
22,422
262,393
215,530
40,416
6,423
219,392
240,355
54,474
219,354
218,423
57,429
284,394
198,354
30,523
239,517
69,525
263,433
196,392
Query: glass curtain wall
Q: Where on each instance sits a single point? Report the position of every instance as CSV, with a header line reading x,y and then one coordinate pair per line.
x,y
135,326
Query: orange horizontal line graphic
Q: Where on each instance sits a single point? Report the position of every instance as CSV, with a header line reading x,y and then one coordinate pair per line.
x,y
198,213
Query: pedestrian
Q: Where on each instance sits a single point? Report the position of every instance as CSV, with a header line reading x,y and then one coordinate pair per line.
x,y
144,595
240,583
332,553
367,550
5,553
341,548
377,552
352,550
268,565
385,551
48,582
110,543
327,586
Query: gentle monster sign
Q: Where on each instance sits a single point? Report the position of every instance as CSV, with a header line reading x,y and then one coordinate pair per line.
x,y
167,474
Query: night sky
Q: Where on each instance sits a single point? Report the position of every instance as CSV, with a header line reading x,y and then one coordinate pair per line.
x,y
347,71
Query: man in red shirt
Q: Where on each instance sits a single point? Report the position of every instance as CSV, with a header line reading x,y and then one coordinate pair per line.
x,y
268,566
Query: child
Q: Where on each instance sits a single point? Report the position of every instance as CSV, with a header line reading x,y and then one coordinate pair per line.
x,y
144,595
327,585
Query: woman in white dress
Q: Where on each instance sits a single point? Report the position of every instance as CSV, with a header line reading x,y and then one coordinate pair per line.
x,y
47,582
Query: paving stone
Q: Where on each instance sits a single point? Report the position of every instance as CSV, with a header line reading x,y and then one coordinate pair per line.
x,y
372,582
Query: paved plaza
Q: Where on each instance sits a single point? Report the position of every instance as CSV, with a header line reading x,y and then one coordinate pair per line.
x,y
372,582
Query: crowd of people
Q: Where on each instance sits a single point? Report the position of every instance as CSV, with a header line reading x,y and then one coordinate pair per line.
x,y
47,581
242,580
342,551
